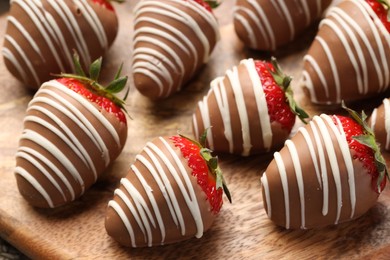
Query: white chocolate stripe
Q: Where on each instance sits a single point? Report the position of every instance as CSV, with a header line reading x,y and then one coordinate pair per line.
x,y
333,66
178,14
177,35
324,171
56,131
219,89
313,155
358,48
69,133
55,152
204,112
332,160
265,187
22,172
113,204
44,33
330,133
25,34
51,166
386,104
261,103
49,28
188,191
263,17
88,105
283,177
245,23
7,53
42,169
347,29
24,57
235,83
342,14
142,208
344,147
298,173
142,214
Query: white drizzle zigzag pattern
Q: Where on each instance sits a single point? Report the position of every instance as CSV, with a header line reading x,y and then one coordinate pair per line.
x,y
146,217
144,57
59,109
49,29
219,89
349,32
322,151
255,15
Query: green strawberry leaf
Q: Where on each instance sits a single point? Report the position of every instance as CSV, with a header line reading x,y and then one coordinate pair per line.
x,y
212,3
284,82
368,139
212,164
94,69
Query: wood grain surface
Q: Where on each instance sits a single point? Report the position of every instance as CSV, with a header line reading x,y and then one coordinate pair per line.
x,y
242,230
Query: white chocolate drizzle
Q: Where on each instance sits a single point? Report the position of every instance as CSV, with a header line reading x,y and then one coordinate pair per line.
x,y
356,45
234,82
323,137
156,65
52,101
37,11
155,160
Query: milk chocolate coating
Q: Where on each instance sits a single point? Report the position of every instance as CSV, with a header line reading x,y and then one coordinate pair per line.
x,y
159,201
172,40
236,115
314,181
350,57
66,144
379,122
267,25
42,35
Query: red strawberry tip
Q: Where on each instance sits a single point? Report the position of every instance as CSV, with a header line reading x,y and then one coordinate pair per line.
x,y
284,82
368,139
212,163
91,81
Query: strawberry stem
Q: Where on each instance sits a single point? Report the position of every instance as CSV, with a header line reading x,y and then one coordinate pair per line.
x,y
213,3
368,139
284,81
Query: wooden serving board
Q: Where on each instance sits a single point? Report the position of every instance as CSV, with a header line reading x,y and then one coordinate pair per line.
x,y
242,230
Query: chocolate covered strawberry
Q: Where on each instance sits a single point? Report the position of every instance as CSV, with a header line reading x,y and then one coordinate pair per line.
x,y
173,39
330,172
268,25
172,192
350,56
250,110
41,36
73,129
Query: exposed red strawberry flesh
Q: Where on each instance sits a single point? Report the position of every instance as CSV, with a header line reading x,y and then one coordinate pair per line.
x,y
104,3
360,151
278,107
381,11
101,101
204,4
200,170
